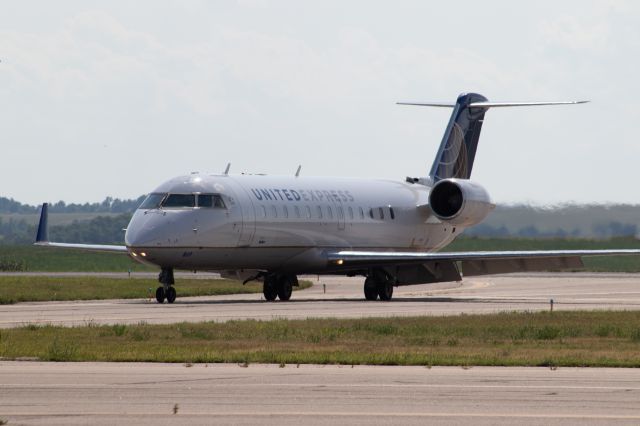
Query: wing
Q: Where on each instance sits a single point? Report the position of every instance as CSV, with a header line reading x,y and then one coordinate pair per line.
x,y
476,262
42,238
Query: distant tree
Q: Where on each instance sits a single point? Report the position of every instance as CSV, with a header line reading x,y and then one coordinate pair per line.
x,y
615,229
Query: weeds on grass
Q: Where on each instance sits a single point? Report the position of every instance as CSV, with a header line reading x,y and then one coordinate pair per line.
x,y
119,329
58,351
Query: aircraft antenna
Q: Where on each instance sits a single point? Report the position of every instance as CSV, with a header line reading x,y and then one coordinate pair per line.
x,y
226,171
298,171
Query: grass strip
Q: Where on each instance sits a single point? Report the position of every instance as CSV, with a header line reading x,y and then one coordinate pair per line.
x,y
15,289
47,259
586,339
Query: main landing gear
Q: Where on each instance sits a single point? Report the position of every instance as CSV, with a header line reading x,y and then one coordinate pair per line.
x,y
281,286
378,284
166,291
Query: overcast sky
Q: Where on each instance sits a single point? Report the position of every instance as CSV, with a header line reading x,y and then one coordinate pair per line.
x,y
114,97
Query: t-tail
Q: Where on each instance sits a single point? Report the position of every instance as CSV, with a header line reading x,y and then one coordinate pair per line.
x,y
460,141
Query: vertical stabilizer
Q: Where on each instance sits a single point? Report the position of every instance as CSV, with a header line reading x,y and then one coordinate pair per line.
x,y
460,141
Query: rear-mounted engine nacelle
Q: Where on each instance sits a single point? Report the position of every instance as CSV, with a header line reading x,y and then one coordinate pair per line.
x,y
460,202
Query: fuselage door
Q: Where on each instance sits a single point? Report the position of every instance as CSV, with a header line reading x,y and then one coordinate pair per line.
x,y
247,210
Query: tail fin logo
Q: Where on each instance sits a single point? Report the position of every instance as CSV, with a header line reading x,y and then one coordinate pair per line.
x,y
453,161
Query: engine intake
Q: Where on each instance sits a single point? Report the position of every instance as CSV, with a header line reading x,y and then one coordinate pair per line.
x,y
460,202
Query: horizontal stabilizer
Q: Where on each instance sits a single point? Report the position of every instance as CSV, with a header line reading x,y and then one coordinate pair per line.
x,y
457,150
439,105
491,104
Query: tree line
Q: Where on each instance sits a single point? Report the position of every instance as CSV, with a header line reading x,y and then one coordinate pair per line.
x,y
99,230
108,205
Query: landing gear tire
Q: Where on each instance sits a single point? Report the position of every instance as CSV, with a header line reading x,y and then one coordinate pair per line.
x,y
171,295
285,288
385,290
166,291
160,296
370,289
270,289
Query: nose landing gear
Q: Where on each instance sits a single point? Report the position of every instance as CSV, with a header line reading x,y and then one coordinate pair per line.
x,y
166,291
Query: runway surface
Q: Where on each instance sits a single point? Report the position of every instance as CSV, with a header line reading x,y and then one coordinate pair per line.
x,y
342,298
34,393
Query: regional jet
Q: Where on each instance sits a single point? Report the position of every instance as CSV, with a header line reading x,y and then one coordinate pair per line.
x,y
274,228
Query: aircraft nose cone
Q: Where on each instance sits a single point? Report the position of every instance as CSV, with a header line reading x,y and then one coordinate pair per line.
x,y
142,229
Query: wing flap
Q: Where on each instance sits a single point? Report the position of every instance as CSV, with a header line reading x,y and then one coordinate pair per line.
x,y
367,258
472,268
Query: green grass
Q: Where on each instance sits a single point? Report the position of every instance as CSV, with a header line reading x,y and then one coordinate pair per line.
x,y
46,259
610,339
592,264
34,288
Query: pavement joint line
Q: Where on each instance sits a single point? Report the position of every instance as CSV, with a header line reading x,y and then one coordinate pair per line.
x,y
326,386
336,414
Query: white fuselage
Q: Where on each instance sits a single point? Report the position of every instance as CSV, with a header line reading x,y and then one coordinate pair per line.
x,y
283,223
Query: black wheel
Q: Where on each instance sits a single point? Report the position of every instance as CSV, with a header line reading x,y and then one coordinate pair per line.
x,y
160,295
285,288
171,295
370,289
385,290
269,289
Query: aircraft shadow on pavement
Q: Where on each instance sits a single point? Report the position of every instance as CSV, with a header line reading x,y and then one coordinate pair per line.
x,y
364,302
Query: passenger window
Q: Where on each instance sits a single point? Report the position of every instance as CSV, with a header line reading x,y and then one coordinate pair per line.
x,y
179,200
308,212
361,213
264,211
381,211
329,212
274,211
350,213
285,211
297,210
371,213
340,212
320,212
392,213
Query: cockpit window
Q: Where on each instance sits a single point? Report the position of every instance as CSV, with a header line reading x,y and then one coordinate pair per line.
x,y
179,200
152,201
210,200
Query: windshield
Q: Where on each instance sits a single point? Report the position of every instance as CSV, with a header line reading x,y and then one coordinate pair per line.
x,y
152,201
179,200
210,200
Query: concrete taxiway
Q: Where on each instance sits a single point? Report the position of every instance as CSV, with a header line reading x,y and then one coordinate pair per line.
x,y
34,393
342,298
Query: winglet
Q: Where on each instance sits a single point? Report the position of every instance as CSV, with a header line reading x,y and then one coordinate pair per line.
x,y
43,226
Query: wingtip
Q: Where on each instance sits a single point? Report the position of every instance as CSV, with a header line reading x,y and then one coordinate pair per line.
x,y
43,226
